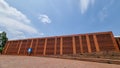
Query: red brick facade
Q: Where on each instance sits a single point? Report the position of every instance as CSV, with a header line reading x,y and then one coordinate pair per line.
x,y
118,42
60,45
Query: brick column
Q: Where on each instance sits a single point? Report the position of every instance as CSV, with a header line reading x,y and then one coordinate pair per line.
x,y
31,43
19,47
36,47
10,45
44,53
55,45
81,46
25,51
96,43
117,39
18,44
74,46
88,44
114,42
6,47
61,46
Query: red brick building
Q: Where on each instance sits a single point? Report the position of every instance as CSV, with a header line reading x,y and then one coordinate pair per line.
x,y
60,45
118,41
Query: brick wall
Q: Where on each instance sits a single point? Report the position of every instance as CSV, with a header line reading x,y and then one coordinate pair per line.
x,y
118,42
60,45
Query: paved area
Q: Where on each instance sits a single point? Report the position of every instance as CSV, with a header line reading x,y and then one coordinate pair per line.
x,y
43,62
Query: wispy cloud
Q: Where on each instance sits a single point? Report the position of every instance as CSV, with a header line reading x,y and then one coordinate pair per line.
x,y
103,14
44,19
84,4
14,22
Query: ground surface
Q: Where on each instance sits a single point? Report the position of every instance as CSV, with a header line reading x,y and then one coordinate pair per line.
x,y
41,62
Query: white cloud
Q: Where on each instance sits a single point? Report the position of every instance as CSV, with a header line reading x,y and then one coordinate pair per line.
x,y
44,19
9,11
103,14
15,23
84,4
1,31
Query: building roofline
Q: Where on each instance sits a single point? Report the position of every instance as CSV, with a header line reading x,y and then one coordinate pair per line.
x,y
64,35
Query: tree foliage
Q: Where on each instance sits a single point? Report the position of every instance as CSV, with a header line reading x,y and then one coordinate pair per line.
x,y
3,40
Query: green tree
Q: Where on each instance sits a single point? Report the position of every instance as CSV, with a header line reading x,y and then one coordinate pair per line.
x,y
3,40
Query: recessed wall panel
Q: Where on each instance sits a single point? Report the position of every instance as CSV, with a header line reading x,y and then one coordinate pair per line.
x,y
92,43
84,44
58,47
50,46
40,47
77,44
23,47
105,42
67,45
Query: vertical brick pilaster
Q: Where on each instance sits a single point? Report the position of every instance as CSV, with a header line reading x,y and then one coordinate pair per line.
x,y
96,43
31,44
55,45
6,48
88,44
44,53
81,46
118,41
114,42
17,44
36,47
74,46
25,51
19,47
61,46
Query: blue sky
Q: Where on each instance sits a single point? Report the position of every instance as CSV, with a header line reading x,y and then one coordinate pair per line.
x,y
41,18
